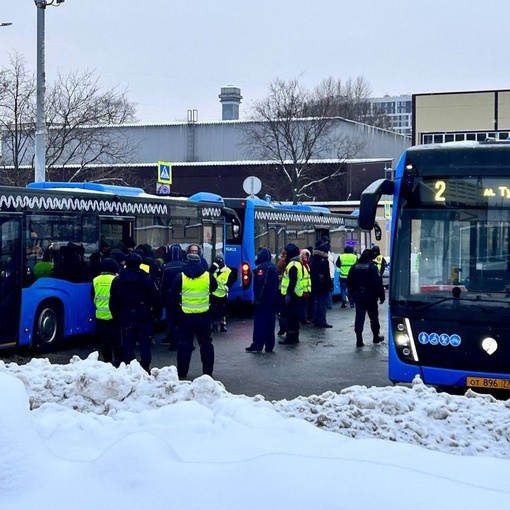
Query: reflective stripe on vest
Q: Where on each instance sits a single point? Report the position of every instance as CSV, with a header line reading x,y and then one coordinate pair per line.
x,y
307,281
102,284
222,279
195,294
285,280
347,260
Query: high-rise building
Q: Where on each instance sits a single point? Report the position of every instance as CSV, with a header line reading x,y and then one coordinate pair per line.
x,y
399,110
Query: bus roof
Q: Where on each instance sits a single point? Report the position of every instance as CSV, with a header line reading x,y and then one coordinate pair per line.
x,y
90,186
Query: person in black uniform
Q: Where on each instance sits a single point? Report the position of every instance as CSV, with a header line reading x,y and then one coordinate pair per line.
x,y
265,290
364,284
190,297
174,266
134,302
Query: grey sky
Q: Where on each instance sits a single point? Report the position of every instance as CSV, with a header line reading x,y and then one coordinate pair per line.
x,y
175,55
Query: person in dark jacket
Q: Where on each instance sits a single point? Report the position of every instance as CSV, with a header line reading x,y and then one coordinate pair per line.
x,y
134,302
322,285
174,266
226,277
190,297
107,328
364,284
292,288
265,291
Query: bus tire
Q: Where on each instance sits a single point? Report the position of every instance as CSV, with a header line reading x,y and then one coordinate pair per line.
x,y
48,326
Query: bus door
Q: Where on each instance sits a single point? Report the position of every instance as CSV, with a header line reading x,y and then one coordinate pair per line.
x,y
276,239
11,261
115,230
213,240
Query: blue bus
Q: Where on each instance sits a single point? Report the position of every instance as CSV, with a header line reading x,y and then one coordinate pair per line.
x,y
449,289
50,230
258,224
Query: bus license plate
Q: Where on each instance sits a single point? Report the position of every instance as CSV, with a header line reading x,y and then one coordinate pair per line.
x,y
488,382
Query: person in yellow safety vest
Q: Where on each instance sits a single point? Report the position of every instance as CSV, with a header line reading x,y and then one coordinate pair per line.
x,y
225,277
304,256
344,263
190,302
379,260
107,328
292,288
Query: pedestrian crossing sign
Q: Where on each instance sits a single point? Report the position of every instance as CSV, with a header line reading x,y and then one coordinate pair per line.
x,y
164,172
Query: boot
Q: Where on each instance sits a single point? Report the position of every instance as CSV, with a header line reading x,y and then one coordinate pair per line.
x,y
378,339
359,340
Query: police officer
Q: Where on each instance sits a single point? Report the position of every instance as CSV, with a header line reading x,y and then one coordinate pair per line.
x,y
225,278
190,295
107,330
292,286
135,301
365,285
344,263
265,290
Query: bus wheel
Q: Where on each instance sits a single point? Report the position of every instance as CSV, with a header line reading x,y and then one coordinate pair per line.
x,y
47,326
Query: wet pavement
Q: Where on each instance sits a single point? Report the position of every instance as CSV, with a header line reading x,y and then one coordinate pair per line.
x,y
324,360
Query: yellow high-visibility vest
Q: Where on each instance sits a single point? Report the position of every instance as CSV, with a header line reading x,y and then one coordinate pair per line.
x,y
347,260
222,279
195,294
102,285
285,280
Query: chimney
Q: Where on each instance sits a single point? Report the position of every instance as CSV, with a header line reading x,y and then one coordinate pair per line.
x,y
230,99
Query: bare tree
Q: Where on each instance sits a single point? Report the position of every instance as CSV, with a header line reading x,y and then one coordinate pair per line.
x,y
78,115
352,100
283,132
17,117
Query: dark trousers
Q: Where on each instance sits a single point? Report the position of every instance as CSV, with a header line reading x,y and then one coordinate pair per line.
x,y
282,313
108,339
372,309
292,312
172,329
319,308
219,310
343,291
132,332
198,324
264,320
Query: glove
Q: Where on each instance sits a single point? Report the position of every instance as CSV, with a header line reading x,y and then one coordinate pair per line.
x,y
287,300
216,266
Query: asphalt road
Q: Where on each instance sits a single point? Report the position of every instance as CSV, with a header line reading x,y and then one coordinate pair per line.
x,y
325,359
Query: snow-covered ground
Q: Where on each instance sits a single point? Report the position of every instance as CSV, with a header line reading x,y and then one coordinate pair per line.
x,y
88,436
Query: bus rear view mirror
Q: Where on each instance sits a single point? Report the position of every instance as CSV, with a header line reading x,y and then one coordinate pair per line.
x,y
370,200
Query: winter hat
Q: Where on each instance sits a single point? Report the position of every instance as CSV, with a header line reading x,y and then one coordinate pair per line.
x,y
323,247
263,255
324,239
193,257
117,255
133,260
292,251
219,255
109,266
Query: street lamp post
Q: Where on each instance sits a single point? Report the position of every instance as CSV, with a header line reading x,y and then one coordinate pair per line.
x,y
40,124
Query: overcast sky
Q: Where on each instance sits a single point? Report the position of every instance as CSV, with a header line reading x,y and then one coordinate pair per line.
x,y
172,55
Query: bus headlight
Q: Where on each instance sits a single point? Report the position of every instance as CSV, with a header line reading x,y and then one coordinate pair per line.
x,y
404,340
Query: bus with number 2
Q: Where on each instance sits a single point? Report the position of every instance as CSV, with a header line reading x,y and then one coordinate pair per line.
x,y
449,289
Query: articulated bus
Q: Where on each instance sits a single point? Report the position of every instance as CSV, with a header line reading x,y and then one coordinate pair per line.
x,y
44,299
449,290
258,224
